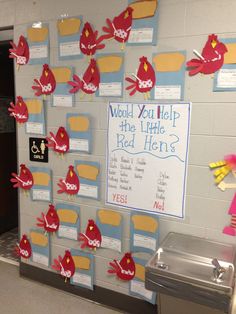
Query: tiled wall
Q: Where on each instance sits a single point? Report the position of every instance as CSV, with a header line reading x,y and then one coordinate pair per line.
x,y
183,24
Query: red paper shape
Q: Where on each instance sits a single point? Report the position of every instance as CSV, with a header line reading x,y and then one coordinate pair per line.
x,y
90,81
49,222
71,184
119,28
24,248
92,237
89,43
145,78
20,52
24,180
19,111
59,142
231,230
124,269
47,82
65,265
211,59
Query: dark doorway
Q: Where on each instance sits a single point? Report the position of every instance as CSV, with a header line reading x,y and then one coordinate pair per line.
x,y
8,155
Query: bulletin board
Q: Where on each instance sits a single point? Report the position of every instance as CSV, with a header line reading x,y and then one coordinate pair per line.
x,y
147,150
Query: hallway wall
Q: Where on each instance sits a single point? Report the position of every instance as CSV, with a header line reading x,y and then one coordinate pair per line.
x,y
183,24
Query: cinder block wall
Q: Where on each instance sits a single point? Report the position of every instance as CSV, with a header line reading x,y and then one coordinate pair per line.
x,y
183,24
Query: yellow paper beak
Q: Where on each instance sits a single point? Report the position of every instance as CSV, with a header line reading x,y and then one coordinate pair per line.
x,y
213,43
128,261
86,33
91,228
71,173
145,67
46,73
62,135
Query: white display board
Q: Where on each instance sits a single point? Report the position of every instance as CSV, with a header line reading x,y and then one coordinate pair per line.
x,y
147,152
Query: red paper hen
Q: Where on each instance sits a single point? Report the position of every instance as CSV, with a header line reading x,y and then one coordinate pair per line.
x,y
90,81
46,84
145,79
92,237
124,269
20,52
19,111
211,59
119,28
49,222
23,248
59,142
24,180
71,184
65,265
89,43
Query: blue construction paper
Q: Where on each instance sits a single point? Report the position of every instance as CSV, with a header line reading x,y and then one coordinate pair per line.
x,y
36,122
170,81
146,28
69,230
89,188
111,235
83,277
110,79
79,141
37,46
141,240
71,43
61,96
41,192
137,286
41,254
228,69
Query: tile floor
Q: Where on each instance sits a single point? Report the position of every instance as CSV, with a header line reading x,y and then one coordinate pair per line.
x,y
22,296
8,242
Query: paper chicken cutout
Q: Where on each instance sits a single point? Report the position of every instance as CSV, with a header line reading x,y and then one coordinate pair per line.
x,y
92,237
59,142
65,265
145,79
89,43
90,81
49,222
24,180
231,230
210,60
224,167
23,249
71,184
19,111
46,84
124,269
20,52
119,28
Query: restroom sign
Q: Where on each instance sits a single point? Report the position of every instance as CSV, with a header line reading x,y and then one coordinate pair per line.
x,y
38,149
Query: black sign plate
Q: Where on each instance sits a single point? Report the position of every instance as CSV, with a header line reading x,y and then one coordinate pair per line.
x,y
38,149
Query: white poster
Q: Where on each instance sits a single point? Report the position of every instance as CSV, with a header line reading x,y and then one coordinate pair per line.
x,y
147,153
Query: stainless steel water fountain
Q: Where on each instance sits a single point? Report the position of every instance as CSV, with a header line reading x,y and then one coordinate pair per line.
x,y
194,269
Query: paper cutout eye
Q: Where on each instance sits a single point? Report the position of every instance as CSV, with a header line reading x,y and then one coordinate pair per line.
x,y
59,142
46,84
210,60
65,265
23,248
49,222
124,269
19,111
90,81
20,52
24,180
89,43
144,79
92,237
